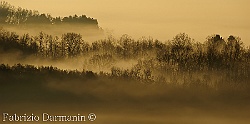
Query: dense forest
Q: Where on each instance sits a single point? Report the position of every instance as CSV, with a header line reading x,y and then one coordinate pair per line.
x,y
19,16
145,77
181,61
24,21
117,78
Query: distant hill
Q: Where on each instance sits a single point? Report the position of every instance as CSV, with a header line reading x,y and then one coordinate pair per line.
x,y
31,21
19,16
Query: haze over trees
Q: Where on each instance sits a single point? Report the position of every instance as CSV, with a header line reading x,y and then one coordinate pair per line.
x,y
119,71
32,22
155,59
217,62
19,16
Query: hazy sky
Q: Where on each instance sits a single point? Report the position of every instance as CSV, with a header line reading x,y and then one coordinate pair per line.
x,y
161,19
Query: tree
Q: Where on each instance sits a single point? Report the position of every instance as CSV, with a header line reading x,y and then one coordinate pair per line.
x,y
72,42
215,48
234,47
4,10
181,48
125,42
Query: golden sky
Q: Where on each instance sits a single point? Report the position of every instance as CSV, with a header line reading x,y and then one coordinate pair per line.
x,y
161,19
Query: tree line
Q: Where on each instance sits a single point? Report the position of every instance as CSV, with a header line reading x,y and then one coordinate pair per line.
x,y
215,52
180,60
12,15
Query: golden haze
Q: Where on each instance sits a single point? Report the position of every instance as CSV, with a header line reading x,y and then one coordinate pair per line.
x,y
161,19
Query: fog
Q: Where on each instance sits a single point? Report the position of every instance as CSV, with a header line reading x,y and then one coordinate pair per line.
x,y
89,33
118,101
78,63
160,19
130,80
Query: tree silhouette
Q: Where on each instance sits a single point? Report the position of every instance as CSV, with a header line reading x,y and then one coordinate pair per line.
x,y
73,43
19,16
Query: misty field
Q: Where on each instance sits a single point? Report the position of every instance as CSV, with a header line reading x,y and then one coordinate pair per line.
x,y
64,65
127,80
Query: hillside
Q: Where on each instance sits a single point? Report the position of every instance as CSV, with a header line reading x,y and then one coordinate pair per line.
x,y
31,21
18,16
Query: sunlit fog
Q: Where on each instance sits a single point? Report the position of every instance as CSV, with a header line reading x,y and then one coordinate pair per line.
x,y
124,62
161,19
